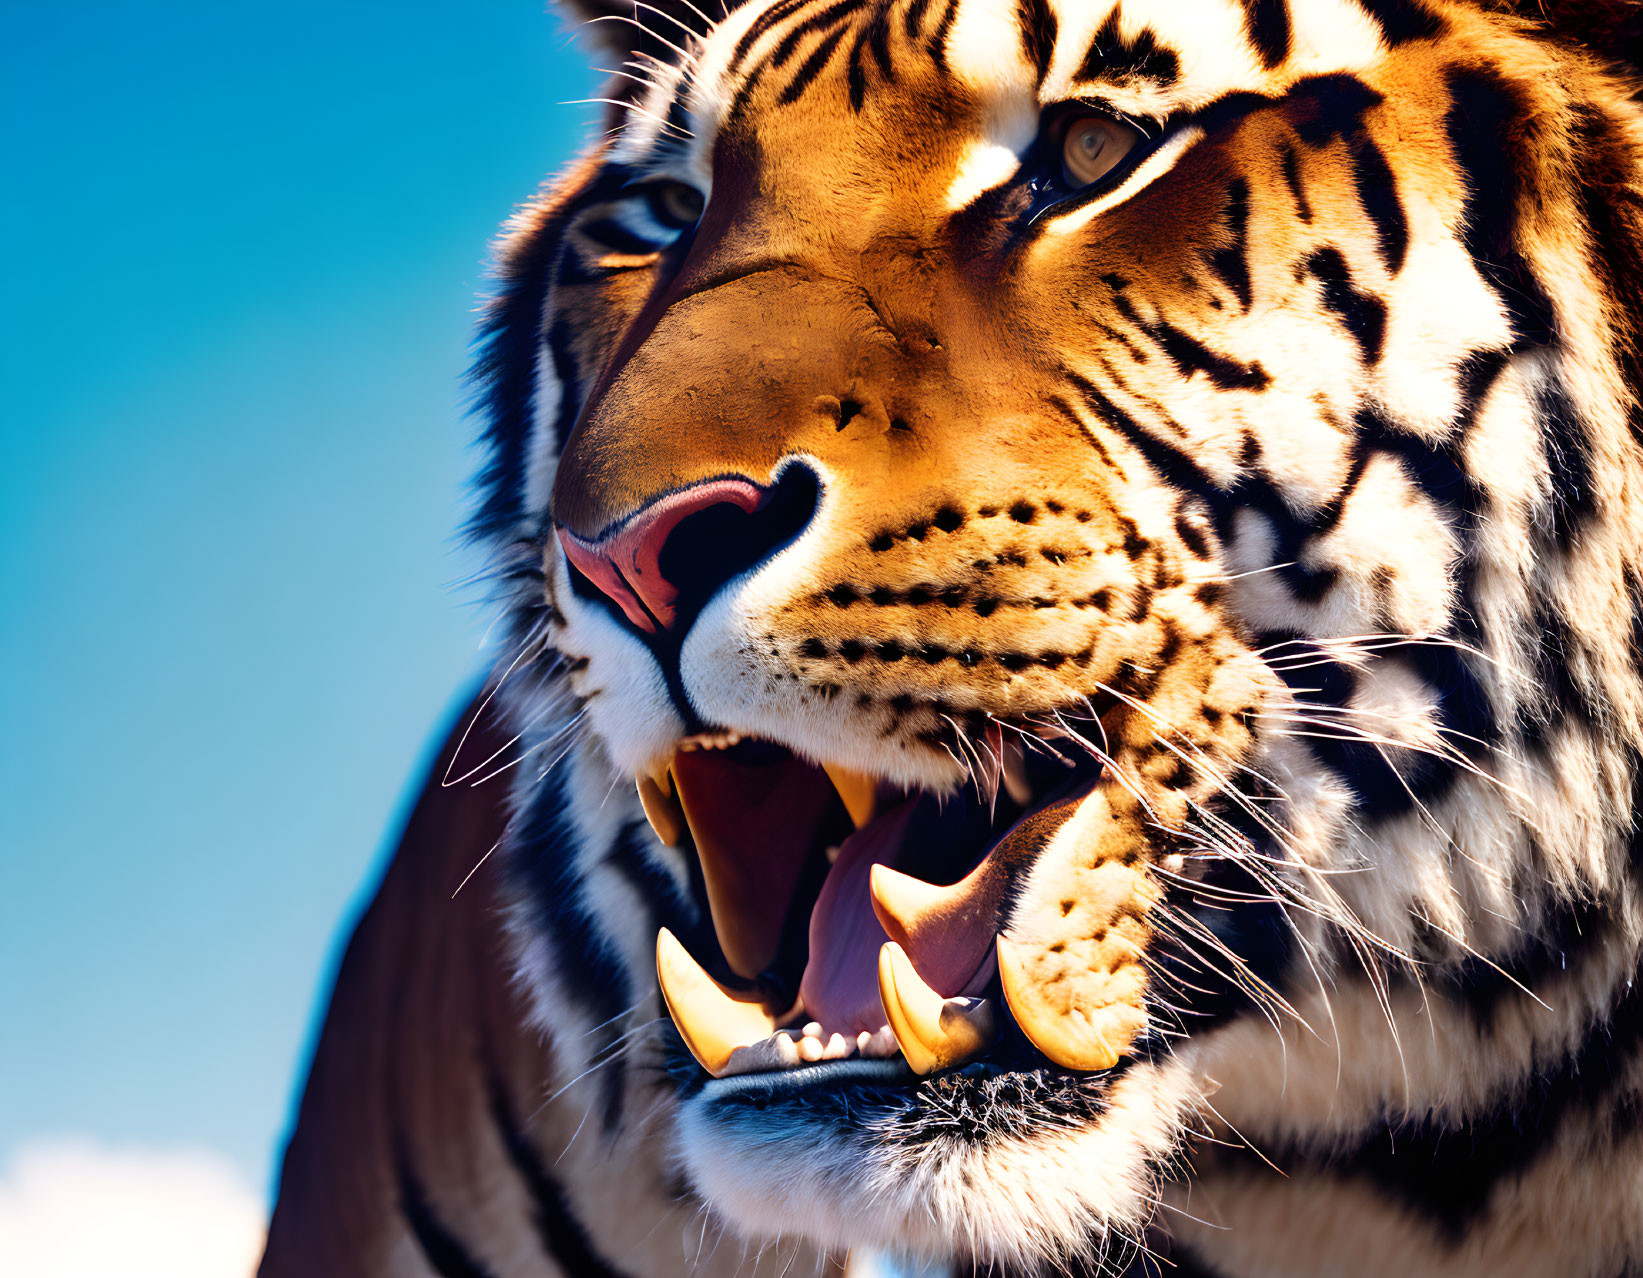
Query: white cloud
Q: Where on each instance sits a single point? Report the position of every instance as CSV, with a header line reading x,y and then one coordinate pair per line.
x,y
73,1209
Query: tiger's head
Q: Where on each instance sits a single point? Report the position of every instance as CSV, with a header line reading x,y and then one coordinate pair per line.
x,y
1093,532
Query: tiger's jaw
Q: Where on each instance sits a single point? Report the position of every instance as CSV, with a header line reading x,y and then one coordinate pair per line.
x,y
959,897
919,1093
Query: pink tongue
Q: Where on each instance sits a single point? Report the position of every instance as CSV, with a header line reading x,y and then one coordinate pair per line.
x,y
841,982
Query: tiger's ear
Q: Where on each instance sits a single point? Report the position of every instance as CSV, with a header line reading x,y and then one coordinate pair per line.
x,y
1609,28
659,28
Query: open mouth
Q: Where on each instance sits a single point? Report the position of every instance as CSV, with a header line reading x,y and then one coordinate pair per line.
x,y
852,919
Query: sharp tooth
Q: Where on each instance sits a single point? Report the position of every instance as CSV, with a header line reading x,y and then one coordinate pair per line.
x,y
859,792
947,932
932,1032
1015,773
712,1020
662,809
1087,1033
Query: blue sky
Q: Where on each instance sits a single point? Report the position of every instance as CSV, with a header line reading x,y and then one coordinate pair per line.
x,y
243,247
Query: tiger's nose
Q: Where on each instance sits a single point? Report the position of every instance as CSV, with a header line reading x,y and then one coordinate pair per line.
x,y
663,563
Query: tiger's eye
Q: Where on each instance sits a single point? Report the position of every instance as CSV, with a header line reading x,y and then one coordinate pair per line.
x,y
679,205
1093,147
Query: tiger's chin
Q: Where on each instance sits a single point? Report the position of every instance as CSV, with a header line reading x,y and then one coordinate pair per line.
x,y
987,1164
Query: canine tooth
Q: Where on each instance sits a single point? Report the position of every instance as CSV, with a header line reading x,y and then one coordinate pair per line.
x,y
1074,1037
713,1021
662,808
779,1051
859,792
949,928
932,1032
1015,773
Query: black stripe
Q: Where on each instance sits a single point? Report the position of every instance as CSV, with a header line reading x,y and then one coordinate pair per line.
x,y
813,66
1568,444
566,371
505,369
666,904
878,39
874,33
1267,22
1559,697
1464,705
1190,356
1327,107
1037,24
1482,118
445,1253
1363,314
1231,263
546,862
1110,57
1401,21
913,23
563,1235
1614,223
938,39
1292,175
1448,1172
1378,193
836,12
761,24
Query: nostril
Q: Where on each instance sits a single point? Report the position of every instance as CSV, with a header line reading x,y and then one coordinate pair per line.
x,y
663,565
718,543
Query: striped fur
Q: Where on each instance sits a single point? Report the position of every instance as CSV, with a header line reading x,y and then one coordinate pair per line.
x,y
1313,444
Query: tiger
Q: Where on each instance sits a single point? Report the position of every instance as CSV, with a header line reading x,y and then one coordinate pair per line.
x,y
1071,582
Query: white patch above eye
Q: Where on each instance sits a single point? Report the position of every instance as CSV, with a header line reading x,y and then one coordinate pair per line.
x,y
984,46
985,165
1152,168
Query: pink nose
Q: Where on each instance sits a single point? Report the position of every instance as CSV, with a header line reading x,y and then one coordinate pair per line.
x,y
626,563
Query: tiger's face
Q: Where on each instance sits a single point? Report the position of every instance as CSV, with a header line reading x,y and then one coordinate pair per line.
x,y
959,419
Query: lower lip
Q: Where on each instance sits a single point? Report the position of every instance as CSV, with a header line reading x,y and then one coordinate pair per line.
x,y
758,1089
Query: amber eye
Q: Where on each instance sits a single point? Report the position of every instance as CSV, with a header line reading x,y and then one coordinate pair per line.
x,y
676,205
1093,147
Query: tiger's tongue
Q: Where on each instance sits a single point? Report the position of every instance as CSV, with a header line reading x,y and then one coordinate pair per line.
x,y
841,986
